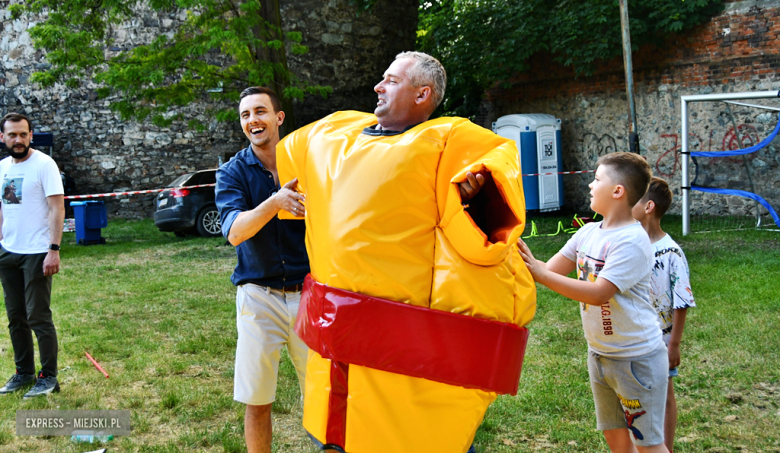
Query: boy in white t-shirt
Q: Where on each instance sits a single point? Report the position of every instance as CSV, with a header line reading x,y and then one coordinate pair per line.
x,y
627,359
670,287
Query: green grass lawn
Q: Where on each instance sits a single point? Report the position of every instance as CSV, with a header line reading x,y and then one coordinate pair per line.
x,y
158,313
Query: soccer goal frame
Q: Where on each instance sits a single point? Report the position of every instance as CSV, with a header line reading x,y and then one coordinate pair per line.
x,y
730,98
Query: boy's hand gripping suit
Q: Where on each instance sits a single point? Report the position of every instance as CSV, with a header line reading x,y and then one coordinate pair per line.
x,y
415,304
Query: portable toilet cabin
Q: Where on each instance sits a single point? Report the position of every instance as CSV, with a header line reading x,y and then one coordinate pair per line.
x,y
538,138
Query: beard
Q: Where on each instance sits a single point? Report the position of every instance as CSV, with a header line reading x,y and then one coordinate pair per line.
x,y
19,155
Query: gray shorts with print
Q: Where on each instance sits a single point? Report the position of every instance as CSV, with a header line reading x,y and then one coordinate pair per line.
x,y
631,393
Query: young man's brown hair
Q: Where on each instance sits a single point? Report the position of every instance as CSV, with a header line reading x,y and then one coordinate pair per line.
x,y
661,196
14,117
629,170
275,102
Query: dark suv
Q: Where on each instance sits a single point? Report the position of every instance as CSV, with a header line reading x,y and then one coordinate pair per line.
x,y
184,210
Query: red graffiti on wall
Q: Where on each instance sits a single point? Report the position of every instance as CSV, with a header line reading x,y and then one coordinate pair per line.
x,y
749,136
669,161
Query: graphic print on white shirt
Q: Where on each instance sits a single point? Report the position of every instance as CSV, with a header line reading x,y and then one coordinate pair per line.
x,y
588,269
12,190
670,287
626,325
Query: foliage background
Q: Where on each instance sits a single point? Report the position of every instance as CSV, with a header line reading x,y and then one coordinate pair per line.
x,y
222,47
484,42
225,45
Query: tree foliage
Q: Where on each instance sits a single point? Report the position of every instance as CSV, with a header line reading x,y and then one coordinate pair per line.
x,y
222,47
482,42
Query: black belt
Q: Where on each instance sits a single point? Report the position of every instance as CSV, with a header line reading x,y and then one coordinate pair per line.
x,y
292,288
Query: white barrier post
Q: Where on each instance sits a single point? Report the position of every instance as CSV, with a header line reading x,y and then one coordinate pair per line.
x,y
686,184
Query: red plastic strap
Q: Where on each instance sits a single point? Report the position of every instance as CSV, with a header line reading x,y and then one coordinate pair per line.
x,y
390,336
337,404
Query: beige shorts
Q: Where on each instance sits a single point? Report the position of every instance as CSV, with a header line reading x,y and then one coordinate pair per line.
x,y
265,319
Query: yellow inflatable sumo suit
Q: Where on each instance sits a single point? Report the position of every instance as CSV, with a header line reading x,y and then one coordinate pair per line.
x,y
415,304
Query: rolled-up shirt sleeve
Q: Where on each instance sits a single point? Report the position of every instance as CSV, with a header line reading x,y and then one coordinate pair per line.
x,y
231,198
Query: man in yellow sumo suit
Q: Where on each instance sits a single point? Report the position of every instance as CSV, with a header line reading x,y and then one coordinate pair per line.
x,y
417,295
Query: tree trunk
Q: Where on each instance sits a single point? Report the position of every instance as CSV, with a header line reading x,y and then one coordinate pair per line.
x,y
272,30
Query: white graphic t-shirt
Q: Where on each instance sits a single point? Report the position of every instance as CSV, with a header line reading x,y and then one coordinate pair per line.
x,y
670,285
626,326
24,188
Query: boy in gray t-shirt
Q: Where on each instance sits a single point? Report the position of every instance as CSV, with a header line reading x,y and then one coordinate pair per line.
x,y
627,358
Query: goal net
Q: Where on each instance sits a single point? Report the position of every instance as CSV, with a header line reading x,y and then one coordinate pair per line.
x,y
738,186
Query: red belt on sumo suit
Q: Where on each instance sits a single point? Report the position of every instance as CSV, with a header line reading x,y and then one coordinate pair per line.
x,y
352,328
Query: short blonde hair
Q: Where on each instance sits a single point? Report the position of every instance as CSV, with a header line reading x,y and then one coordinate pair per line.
x,y
426,71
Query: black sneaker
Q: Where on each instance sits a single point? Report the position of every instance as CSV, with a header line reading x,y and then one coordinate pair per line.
x,y
17,382
43,386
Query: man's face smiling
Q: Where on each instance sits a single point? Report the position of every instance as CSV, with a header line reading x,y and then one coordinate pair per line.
x,y
17,137
259,121
396,96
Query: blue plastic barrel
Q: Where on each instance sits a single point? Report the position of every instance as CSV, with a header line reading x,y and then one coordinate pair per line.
x,y
90,218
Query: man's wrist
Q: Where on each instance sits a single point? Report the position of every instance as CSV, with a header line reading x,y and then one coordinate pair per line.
x,y
54,247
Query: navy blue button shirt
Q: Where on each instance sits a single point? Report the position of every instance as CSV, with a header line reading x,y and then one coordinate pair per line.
x,y
276,255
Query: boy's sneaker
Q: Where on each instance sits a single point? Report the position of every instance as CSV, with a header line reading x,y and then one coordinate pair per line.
x,y
43,386
17,382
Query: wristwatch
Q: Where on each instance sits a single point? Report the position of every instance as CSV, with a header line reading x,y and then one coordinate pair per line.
x,y
54,247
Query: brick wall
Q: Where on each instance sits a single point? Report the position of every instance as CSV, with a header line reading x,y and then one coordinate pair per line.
x,y
741,44
736,51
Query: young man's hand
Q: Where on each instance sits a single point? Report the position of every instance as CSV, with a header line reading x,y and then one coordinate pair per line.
x,y
535,267
291,201
674,355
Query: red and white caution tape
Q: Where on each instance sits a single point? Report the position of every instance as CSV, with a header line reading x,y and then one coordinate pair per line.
x,y
135,192
138,192
561,173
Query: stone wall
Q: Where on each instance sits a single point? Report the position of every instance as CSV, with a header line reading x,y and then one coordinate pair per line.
x,y
736,51
105,154
351,51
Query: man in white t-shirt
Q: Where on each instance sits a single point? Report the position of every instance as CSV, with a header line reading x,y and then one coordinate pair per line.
x,y
32,211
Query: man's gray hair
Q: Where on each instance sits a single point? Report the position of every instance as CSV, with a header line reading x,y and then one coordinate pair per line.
x,y
426,71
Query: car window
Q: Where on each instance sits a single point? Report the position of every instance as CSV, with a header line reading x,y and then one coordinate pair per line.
x,y
208,177
203,177
178,182
194,179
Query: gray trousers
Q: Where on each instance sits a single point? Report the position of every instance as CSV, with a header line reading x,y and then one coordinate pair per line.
x,y
27,295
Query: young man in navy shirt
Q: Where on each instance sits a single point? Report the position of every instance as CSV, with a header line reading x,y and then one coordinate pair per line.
x,y
272,262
